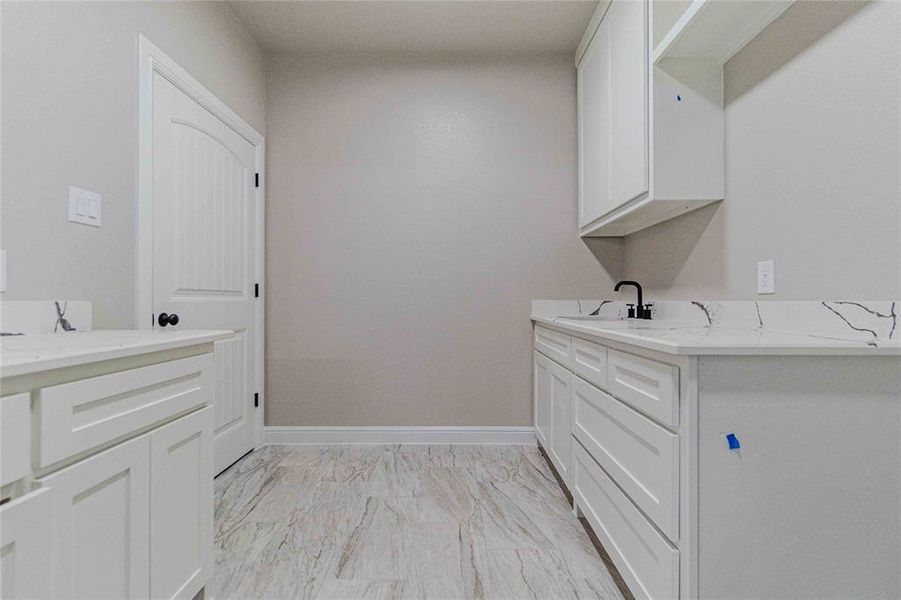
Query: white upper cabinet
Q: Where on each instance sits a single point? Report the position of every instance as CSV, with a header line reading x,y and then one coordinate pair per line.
x,y
650,107
650,137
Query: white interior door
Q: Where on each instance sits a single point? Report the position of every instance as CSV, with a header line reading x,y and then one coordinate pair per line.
x,y
204,243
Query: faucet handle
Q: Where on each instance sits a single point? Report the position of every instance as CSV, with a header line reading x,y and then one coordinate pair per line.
x,y
646,311
632,310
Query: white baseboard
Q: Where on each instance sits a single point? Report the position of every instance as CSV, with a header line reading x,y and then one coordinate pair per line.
x,y
399,435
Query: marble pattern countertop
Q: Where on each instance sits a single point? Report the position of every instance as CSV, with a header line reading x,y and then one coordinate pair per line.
x,y
24,354
734,328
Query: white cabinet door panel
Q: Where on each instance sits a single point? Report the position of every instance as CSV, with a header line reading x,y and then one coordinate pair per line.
x,y
612,104
628,100
542,396
561,420
593,97
101,525
25,546
15,437
181,500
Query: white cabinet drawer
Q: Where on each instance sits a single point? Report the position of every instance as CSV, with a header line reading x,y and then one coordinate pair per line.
x,y
75,417
647,562
641,456
554,345
590,361
650,386
15,437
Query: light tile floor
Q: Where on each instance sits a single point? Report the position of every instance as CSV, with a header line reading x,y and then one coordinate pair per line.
x,y
405,522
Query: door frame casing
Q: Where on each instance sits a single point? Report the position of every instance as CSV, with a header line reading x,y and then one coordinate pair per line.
x,y
153,60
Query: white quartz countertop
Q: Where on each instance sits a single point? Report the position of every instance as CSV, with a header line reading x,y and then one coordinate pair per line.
x,y
678,338
23,354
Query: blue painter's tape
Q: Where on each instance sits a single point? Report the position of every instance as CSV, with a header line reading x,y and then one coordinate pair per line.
x,y
733,442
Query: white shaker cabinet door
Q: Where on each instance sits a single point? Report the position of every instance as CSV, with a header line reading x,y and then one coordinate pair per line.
x,y
542,397
181,513
15,437
25,546
628,100
612,89
593,105
102,524
561,420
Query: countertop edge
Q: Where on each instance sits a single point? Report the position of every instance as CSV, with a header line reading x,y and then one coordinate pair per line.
x,y
104,353
692,350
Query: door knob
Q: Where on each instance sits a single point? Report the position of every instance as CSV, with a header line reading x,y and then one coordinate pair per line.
x,y
167,319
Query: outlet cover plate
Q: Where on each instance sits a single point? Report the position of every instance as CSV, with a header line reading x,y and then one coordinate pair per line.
x,y
766,277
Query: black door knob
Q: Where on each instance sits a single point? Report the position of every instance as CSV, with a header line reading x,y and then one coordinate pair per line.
x,y
167,319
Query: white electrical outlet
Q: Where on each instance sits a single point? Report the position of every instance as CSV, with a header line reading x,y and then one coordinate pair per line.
x,y
766,277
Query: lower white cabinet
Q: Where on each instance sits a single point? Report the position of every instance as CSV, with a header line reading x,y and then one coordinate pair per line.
x,y
108,479
720,477
101,523
25,546
181,506
621,465
136,520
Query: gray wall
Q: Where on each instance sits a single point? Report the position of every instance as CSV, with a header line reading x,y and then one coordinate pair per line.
x,y
813,127
415,206
69,100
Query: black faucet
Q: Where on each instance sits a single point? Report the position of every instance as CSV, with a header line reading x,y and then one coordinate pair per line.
x,y
641,311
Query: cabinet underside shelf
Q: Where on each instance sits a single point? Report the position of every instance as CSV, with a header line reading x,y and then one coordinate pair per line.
x,y
640,214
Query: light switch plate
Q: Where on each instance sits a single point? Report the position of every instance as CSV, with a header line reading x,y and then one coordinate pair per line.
x,y
766,277
85,207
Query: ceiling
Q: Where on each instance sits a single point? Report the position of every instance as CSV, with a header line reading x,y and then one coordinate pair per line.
x,y
416,26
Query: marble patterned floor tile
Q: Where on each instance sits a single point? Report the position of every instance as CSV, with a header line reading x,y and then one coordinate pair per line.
x,y
377,546
436,567
362,589
529,574
405,522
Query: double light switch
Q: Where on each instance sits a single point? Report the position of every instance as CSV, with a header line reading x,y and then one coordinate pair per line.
x,y
85,207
